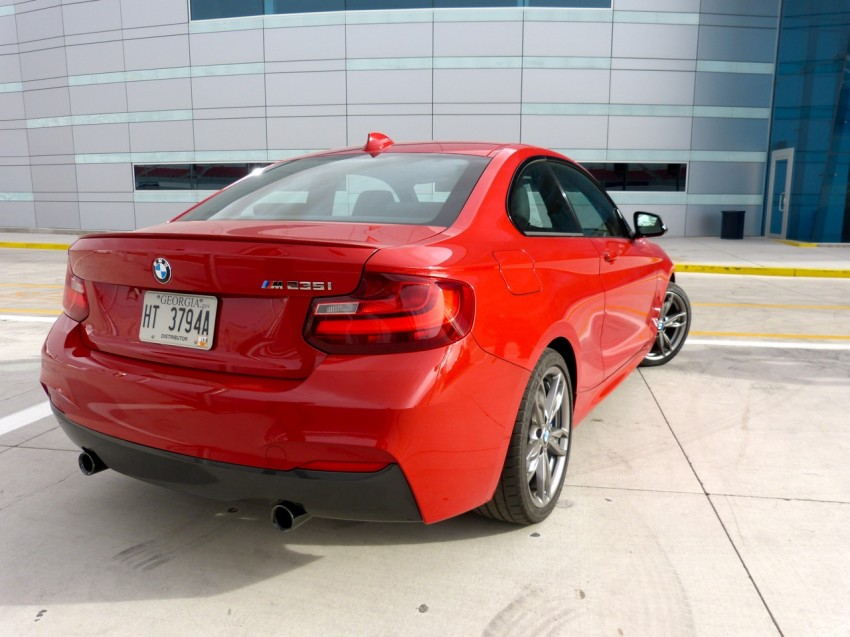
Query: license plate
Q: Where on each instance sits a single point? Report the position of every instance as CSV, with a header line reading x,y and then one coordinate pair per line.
x,y
184,320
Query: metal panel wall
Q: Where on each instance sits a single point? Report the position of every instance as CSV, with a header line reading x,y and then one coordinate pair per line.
x,y
89,89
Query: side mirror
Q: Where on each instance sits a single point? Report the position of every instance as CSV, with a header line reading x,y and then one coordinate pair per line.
x,y
648,225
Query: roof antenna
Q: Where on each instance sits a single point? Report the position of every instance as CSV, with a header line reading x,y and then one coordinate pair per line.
x,y
376,143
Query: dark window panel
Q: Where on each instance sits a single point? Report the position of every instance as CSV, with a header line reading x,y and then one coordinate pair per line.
x,y
189,176
571,4
371,5
212,9
166,177
450,4
639,176
307,6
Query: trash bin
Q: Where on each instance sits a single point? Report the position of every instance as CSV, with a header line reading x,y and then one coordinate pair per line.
x,y
732,224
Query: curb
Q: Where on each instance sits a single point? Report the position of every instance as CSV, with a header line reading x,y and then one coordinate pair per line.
x,y
34,245
818,273
798,244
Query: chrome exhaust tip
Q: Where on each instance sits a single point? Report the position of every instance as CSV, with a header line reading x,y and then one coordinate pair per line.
x,y
90,463
287,516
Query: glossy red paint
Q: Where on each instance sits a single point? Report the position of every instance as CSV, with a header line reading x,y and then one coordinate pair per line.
x,y
270,395
332,416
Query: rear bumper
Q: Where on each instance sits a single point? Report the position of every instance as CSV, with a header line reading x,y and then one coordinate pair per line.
x,y
382,496
438,420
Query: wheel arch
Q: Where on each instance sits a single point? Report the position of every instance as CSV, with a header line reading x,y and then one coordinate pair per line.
x,y
565,349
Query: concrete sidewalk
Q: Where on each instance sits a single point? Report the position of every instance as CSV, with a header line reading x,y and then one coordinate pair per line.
x,y
753,255
758,255
707,497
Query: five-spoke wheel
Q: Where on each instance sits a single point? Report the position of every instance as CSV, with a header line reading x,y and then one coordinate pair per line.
x,y
539,450
673,324
548,441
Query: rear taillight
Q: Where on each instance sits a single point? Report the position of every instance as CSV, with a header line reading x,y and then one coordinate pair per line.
x,y
74,300
391,313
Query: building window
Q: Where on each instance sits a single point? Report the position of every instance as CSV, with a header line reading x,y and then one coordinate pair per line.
x,y
214,9
189,176
634,176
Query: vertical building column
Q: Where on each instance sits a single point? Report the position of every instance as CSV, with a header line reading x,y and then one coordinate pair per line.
x,y
47,109
17,208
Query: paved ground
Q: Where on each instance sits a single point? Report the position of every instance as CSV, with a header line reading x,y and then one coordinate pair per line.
x,y
708,497
758,256
753,255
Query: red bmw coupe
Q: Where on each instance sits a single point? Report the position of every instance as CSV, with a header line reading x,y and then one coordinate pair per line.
x,y
395,332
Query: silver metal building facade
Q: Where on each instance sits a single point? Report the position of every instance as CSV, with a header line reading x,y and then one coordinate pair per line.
x,y
89,89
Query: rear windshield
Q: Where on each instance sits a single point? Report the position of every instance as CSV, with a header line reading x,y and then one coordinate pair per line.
x,y
402,188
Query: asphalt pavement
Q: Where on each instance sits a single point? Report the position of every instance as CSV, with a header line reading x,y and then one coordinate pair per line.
x,y
710,496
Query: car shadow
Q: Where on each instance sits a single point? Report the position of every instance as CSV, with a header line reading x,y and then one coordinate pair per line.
x,y
110,538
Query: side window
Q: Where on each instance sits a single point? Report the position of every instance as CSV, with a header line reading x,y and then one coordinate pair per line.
x,y
536,203
596,215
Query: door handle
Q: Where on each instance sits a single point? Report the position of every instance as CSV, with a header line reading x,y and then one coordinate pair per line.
x,y
609,256
782,202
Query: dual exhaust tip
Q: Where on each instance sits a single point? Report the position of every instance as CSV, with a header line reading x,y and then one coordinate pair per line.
x,y
286,516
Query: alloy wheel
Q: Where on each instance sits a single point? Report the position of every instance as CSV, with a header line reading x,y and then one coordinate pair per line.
x,y
673,324
548,440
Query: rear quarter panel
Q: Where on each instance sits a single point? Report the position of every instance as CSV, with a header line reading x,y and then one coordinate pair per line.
x,y
515,324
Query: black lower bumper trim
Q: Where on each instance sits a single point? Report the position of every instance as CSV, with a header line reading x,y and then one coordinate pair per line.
x,y
382,496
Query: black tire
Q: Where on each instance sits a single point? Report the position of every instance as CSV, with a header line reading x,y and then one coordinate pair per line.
x,y
539,450
674,323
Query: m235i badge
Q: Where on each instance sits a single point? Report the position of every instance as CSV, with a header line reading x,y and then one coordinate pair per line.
x,y
304,286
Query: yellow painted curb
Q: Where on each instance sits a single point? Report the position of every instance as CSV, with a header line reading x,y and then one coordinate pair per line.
x,y
797,244
34,246
763,271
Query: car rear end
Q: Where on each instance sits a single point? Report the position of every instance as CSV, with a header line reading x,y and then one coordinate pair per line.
x,y
248,351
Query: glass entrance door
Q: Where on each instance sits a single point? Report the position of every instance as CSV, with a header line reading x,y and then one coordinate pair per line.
x,y
779,188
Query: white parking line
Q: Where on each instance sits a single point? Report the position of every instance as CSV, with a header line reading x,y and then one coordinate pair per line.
x,y
27,319
767,344
24,417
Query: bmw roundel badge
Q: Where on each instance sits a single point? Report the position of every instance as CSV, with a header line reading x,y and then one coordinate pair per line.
x,y
162,270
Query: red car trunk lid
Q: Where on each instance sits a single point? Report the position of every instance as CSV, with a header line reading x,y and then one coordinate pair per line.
x,y
262,278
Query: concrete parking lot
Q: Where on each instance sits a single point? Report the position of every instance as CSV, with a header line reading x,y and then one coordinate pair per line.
x,y
707,497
